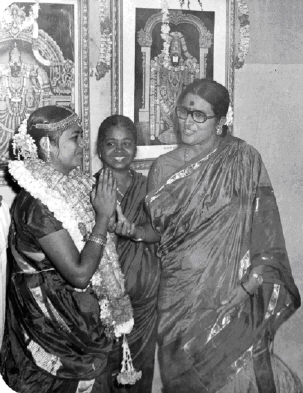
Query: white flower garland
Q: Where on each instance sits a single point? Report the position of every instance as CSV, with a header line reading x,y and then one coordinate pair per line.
x,y
23,144
167,37
51,198
243,45
165,29
105,54
229,117
106,42
108,280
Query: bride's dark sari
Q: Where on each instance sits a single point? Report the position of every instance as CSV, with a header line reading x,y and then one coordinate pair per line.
x,y
218,219
54,338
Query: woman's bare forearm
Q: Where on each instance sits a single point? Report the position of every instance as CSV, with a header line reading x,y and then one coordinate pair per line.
x,y
93,250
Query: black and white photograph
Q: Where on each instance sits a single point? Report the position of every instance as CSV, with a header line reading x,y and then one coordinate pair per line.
x,y
151,193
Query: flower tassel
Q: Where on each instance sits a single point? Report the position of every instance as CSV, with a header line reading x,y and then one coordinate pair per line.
x,y
128,375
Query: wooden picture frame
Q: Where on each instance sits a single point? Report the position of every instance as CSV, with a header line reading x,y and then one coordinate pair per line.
x,y
133,26
42,64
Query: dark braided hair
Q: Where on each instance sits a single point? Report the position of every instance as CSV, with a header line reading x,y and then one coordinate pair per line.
x,y
46,115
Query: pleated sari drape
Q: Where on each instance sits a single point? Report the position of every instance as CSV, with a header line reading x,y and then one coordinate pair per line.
x,y
218,218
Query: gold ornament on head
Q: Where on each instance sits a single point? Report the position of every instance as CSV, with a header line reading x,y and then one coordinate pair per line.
x,y
23,144
61,125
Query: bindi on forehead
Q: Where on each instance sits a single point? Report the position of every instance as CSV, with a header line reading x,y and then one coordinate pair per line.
x,y
192,103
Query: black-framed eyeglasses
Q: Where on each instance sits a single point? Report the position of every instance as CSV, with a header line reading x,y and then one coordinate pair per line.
x,y
198,116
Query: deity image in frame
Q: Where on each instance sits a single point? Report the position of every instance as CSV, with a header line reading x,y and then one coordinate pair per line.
x,y
160,79
40,64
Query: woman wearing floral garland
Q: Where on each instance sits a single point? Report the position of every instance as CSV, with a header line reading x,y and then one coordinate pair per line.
x,y
56,338
117,146
226,284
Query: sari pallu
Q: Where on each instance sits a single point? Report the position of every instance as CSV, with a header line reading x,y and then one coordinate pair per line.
x,y
218,219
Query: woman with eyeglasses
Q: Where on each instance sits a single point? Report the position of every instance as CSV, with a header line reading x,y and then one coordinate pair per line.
x,y
226,283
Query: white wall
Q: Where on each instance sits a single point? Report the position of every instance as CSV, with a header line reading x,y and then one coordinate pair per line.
x,y
271,123
269,115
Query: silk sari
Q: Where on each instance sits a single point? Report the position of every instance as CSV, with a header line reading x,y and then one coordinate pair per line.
x,y
141,269
54,339
218,219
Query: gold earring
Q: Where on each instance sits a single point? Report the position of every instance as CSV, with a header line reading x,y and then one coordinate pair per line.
x,y
219,129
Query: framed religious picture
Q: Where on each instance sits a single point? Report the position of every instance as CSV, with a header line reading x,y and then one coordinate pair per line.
x,y
162,53
43,61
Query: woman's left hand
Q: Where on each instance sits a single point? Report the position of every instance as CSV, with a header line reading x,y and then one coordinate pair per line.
x,y
233,301
123,226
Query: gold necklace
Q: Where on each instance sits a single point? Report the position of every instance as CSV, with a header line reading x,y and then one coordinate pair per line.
x,y
120,193
187,157
130,178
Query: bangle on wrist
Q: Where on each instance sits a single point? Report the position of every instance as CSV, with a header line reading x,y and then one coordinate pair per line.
x,y
100,239
248,293
142,237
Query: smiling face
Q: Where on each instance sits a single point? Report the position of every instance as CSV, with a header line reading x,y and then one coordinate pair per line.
x,y
69,152
118,148
193,133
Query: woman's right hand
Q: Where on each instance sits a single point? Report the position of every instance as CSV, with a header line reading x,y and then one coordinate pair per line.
x,y
104,196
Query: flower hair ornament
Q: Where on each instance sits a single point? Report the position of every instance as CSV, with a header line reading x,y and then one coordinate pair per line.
x,y
228,121
23,144
229,117
68,198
